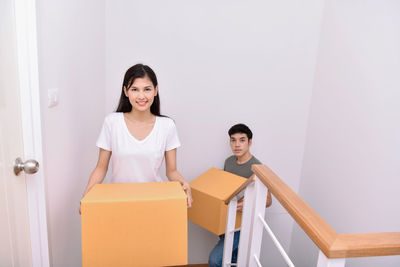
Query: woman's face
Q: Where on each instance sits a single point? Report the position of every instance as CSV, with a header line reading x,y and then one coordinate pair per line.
x,y
141,94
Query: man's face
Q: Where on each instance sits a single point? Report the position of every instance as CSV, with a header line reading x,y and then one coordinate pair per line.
x,y
240,144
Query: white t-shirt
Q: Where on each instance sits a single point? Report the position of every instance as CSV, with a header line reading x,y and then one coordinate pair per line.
x,y
133,160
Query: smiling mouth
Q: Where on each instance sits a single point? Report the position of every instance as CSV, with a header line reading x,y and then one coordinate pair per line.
x,y
141,103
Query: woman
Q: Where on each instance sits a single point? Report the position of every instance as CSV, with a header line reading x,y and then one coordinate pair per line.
x,y
137,136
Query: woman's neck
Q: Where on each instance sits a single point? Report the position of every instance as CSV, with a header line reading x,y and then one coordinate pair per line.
x,y
140,115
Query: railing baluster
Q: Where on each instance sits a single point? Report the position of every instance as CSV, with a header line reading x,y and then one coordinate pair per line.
x,y
276,242
257,260
229,232
245,232
260,199
323,261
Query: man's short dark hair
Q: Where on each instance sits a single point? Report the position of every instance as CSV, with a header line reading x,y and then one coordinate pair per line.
x,y
240,128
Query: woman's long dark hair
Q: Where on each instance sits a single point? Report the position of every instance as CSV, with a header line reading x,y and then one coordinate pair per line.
x,y
138,71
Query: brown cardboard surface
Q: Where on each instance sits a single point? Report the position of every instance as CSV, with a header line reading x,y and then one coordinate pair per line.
x,y
135,224
209,191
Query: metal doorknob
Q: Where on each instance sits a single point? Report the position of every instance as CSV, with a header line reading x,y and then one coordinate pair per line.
x,y
30,166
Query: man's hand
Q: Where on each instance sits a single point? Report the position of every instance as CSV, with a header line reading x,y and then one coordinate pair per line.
x,y
269,200
239,206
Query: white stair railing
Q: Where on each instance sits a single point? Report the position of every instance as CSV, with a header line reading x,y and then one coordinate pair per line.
x,y
334,247
253,224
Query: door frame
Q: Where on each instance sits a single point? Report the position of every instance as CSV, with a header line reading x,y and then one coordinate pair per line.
x,y
28,75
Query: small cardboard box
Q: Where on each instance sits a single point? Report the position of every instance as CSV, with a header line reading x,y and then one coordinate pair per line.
x,y
210,191
135,224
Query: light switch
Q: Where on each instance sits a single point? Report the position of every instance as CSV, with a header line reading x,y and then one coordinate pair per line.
x,y
52,97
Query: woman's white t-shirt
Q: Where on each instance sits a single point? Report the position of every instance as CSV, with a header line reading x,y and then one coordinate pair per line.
x,y
135,160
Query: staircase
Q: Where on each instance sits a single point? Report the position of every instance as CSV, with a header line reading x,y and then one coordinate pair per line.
x,y
334,247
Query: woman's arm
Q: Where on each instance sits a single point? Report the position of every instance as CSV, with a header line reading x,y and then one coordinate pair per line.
x,y
99,172
174,175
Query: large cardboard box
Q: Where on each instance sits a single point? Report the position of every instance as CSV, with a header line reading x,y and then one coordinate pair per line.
x,y
135,224
209,191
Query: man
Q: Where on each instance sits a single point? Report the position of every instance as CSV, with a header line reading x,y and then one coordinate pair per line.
x,y
240,164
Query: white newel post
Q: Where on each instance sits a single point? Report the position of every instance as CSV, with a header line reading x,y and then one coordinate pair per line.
x,y
245,229
323,261
229,232
257,231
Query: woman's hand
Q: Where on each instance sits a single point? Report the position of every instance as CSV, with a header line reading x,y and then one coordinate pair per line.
x,y
188,192
174,175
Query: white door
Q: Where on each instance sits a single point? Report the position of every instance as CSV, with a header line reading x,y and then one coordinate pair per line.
x,y
23,233
14,221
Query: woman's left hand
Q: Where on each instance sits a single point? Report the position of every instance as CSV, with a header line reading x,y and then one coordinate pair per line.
x,y
186,188
173,174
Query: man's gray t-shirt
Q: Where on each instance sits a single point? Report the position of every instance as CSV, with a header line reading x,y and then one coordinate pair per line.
x,y
243,170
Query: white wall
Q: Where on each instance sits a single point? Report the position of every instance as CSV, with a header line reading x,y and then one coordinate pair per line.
x,y
224,62
220,63
71,58
351,164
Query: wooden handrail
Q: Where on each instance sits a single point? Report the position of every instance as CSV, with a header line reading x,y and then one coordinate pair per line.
x,y
240,189
331,243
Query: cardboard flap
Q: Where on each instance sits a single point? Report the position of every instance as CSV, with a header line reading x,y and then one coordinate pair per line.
x,y
121,192
217,183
